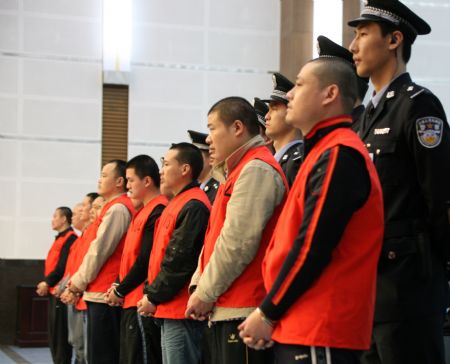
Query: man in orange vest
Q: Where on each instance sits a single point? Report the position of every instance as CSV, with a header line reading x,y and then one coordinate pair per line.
x,y
76,320
140,339
100,265
228,282
177,244
54,268
320,267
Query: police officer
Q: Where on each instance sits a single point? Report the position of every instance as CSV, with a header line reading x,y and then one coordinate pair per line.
x,y
327,48
286,139
208,184
406,132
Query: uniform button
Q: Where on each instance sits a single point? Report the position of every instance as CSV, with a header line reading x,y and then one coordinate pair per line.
x,y
378,151
392,255
368,145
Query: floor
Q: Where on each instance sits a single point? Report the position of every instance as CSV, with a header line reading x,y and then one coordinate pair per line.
x,y
14,355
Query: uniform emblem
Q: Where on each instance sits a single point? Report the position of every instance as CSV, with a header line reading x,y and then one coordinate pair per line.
x,y
381,131
390,94
410,88
429,131
285,157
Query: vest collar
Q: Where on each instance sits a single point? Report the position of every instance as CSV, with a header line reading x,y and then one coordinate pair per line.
x,y
64,232
220,171
323,128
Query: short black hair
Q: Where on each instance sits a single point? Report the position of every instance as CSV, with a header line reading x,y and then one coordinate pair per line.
x,y
120,170
92,196
67,212
234,108
144,166
188,153
339,72
387,29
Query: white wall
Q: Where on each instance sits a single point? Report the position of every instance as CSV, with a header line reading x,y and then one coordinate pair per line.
x,y
50,116
189,54
429,65
186,55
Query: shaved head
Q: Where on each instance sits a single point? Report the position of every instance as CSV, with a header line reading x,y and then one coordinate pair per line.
x,y
336,71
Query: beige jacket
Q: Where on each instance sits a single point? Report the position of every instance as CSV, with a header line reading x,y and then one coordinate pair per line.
x,y
114,225
257,192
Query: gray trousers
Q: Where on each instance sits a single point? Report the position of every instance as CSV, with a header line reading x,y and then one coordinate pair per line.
x,y
77,333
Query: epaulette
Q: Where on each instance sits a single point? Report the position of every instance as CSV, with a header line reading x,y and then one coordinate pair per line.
x,y
414,90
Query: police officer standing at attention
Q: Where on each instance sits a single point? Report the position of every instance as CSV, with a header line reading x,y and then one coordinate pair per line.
x,y
326,49
406,132
208,184
286,139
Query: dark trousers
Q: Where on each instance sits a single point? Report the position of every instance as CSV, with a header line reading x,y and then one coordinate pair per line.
x,y
287,354
140,339
225,346
418,340
57,332
103,333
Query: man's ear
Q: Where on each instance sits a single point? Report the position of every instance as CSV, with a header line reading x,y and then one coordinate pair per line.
x,y
185,169
238,127
331,93
396,39
120,181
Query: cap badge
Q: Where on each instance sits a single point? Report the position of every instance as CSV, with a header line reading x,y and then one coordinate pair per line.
x,y
274,81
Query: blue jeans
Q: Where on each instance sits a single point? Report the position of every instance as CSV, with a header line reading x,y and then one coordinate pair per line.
x,y
181,341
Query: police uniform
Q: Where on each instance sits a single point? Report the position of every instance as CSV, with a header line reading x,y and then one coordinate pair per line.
x,y
289,158
210,186
328,49
408,137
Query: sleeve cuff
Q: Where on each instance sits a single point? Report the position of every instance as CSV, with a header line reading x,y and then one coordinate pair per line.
x,y
77,282
271,311
204,296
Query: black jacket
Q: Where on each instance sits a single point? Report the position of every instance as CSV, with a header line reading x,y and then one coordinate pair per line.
x,y
408,137
290,162
181,256
211,188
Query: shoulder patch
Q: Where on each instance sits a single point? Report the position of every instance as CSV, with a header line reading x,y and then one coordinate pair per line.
x,y
429,131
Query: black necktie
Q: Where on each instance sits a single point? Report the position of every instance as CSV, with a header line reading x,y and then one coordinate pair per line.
x,y
366,119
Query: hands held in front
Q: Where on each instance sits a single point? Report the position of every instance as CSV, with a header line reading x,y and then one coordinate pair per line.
x,y
71,294
111,298
145,307
256,331
197,309
42,288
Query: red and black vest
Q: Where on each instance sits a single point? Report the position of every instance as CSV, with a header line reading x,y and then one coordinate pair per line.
x,y
175,308
110,270
132,247
248,289
55,251
337,310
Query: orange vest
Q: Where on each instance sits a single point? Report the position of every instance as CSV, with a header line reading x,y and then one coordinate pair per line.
x,y
337,310
53,254
77,253
248,289
132,247
175,308
110,269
